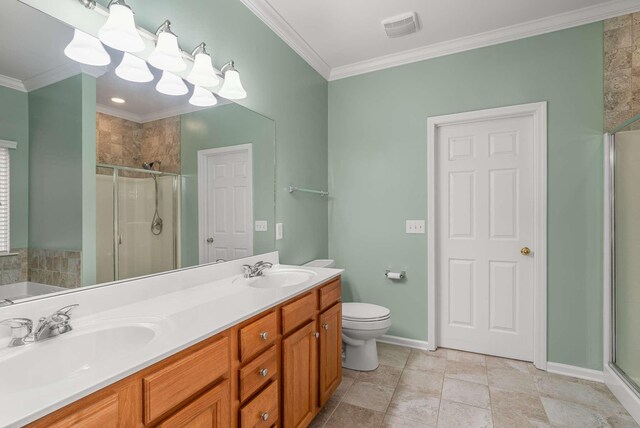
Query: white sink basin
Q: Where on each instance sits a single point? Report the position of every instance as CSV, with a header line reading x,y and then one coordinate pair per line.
x,y
71,354
278,278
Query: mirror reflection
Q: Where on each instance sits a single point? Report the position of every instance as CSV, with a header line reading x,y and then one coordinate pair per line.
x,y
103,179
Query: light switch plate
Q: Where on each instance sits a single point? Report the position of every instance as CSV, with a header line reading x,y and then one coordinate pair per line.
x,y
415,226
261,226
279,231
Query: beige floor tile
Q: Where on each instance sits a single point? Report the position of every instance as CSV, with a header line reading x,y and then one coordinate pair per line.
x,y
416,405
369,395
507,364
430,382
460,391
323,416
422,360
512,380
393,355
453,355
567,414
470,372
515,409
383,375
439,353
343,387
348,416
400,422
457,415
350,373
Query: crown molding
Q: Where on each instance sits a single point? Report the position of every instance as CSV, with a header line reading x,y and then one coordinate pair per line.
x,y
158,115
60,73
11,83
267,14
116,112
536,27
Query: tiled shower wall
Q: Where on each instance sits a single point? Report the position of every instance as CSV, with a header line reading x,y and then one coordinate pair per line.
x,y
127,143
55,267
621,69
13,268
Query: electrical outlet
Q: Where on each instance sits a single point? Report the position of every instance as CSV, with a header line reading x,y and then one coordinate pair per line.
x,y
279,231
261,226
415,226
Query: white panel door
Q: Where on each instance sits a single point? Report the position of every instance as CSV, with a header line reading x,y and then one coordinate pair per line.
x,y
485,218
228,231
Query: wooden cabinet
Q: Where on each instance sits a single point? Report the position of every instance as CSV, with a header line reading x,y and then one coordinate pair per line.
x,y
330,352
276,369
299,362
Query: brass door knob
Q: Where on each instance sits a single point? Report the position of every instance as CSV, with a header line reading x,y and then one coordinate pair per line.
x,y
525,251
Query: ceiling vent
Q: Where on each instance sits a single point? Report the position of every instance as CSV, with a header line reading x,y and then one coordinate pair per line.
x,y
401,25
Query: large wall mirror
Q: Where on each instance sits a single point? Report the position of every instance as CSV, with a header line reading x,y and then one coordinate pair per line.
x,y
103,179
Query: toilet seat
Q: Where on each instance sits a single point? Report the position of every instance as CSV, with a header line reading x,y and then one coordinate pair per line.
x,y
364,312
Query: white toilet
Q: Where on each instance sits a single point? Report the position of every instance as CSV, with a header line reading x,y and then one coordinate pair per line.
x,y
362,324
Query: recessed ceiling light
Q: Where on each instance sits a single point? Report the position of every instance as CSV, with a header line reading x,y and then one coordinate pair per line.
x,y
117,100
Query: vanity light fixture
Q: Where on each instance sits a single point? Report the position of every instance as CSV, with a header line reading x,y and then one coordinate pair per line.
x,y
167,55
86,49
118,100
170,84
202,98
120,32
232,87
202,73
133,69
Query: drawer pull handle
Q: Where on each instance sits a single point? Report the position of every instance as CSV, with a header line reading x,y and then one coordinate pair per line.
x,y
325,326
263,372
264,335
264,416
316,334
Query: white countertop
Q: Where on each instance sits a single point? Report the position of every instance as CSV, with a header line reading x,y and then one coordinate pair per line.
x,y
181,316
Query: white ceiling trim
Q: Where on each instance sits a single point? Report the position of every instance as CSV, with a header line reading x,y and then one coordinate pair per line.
x,y
267,14
116,112
11,83
536,27
161,114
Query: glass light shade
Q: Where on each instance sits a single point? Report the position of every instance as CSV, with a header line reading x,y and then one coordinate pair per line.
x,y
120,32
87,49
167,55
134,69
202,98
232,87
170,84
202,73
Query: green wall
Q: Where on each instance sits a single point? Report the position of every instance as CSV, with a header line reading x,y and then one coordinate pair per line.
x,y
223,126
89,203
281,86
14,126
377,175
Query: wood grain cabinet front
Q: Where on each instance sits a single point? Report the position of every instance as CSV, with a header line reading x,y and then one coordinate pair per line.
x,y
262,411
210,410
330,352
258,335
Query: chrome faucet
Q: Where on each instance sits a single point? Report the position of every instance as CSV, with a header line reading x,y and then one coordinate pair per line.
x,y
22,331
255,270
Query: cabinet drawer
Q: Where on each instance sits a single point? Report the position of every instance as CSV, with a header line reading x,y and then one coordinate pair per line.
x,y
297,313
257,336
257,373
262,411
177,382
210,410
330,294
103,413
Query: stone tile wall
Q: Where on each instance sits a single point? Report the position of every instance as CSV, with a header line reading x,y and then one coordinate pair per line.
x,y
55,267
621,69
14,268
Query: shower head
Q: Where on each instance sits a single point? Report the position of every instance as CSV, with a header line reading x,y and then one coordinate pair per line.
x,y
149,165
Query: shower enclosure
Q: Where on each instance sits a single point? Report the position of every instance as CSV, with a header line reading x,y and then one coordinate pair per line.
x,y
622,229
137,221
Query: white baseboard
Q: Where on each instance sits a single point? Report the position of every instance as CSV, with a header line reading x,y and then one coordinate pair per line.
x,y
574,371
623,393
402,341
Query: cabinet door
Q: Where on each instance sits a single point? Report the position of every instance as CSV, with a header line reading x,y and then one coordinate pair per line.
x,y
210,410
330,371
299,365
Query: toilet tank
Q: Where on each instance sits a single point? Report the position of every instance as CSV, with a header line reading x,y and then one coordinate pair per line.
x,y
321,263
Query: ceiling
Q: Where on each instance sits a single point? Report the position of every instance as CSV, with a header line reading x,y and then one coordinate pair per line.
x,y
342,38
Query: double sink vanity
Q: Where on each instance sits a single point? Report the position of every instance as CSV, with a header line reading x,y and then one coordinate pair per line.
x,y
209,346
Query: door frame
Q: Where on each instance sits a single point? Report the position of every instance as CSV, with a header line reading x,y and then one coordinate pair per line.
x,y
203,177
538,111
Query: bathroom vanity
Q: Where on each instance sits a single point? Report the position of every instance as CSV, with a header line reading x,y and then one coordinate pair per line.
x,y
271,359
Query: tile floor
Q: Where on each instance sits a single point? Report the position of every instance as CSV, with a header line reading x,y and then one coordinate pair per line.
x,y
450,389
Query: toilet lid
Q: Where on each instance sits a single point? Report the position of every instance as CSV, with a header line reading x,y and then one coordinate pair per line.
x,y
364,312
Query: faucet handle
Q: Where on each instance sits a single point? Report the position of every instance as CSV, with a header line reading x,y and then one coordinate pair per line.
x,y
66,310
20,328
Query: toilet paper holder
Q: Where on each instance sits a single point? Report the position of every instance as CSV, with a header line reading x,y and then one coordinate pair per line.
x,y
395,275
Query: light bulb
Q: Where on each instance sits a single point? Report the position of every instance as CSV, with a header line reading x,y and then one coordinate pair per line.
x,y
87,49
170,84
133,69
202,73
167,55
202,98
232,87
120,32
